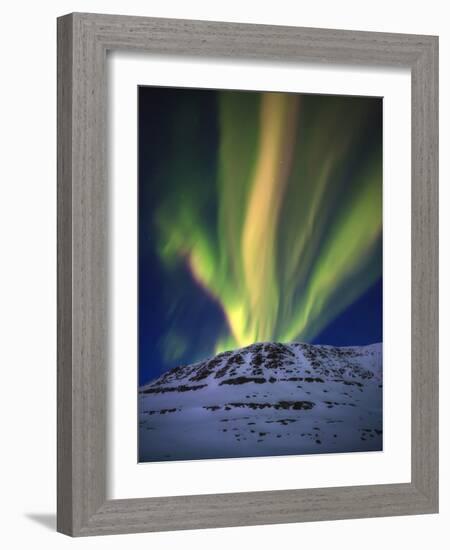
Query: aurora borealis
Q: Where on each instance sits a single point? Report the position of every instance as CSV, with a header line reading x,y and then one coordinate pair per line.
x,y
260,219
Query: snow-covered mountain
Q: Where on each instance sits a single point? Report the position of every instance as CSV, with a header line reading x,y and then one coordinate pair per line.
x,y
266,399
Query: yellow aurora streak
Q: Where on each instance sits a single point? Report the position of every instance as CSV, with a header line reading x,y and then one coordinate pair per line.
x,y
294,244
278,121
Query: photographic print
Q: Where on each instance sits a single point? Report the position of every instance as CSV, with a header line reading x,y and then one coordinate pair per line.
x,y
260,274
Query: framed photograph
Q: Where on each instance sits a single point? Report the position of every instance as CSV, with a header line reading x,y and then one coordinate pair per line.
x,y
247,274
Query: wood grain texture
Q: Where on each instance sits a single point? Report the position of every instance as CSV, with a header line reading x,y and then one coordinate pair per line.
x,y
83,40
64,266
424,280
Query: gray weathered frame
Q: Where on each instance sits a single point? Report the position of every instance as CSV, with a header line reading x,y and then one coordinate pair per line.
x,y
83,40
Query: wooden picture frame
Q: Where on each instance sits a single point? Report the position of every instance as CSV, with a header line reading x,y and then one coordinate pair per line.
x,y
83,40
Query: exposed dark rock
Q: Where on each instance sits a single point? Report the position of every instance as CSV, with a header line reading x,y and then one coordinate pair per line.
x,y
243,380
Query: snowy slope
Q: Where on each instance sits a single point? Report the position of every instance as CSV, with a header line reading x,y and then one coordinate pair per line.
x,y
263,400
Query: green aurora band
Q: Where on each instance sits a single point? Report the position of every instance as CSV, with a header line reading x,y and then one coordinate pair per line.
x,y
287,232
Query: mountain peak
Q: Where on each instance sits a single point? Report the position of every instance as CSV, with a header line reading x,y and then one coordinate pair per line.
x,y
318,386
